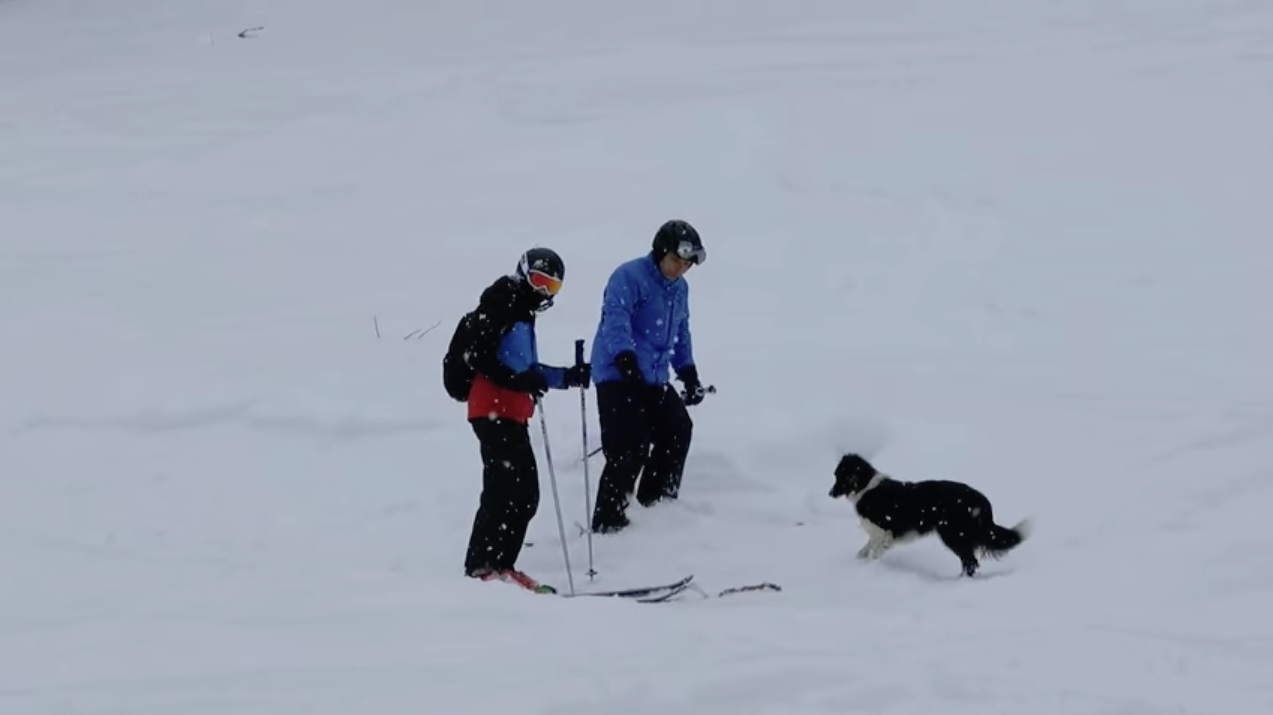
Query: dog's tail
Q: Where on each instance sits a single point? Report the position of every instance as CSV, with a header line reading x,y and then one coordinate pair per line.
x,y
1001,539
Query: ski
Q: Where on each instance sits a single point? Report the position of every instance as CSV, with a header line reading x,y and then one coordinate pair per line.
x,y
666,592
664,596
670,591
644,594
659,593
641,592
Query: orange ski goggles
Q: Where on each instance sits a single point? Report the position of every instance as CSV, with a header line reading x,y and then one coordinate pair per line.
x,y
544,283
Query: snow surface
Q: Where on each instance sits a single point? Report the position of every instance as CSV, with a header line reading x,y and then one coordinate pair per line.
x,y
1020,243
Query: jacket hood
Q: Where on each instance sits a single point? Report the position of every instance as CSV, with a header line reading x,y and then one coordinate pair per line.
x,y
509,297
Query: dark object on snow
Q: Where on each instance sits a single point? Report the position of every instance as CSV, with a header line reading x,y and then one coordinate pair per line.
x,y
762,586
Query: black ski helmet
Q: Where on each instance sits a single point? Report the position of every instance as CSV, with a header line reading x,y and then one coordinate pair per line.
x,y
679,237
542,271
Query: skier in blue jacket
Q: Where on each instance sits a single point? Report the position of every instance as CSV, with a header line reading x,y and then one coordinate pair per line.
x,y
644,331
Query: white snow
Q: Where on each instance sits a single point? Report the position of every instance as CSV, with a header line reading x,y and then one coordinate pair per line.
x,y
1018,243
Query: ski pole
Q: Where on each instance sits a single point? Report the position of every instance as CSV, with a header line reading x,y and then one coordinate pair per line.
x,y
552,478
587,489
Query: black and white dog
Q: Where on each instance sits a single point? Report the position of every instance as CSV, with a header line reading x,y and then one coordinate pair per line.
x,y
895,512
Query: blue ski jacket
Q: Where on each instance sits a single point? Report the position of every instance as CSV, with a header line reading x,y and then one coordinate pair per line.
x,y
643,311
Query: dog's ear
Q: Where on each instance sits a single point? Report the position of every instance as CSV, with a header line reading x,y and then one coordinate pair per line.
x,y
854,465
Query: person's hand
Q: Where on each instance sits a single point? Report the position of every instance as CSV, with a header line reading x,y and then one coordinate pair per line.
x,y
626,361
694,390
693,394
532,382
579,376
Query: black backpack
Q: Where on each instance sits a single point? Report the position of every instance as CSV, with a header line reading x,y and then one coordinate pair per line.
x,y
457,374
472,334
478,332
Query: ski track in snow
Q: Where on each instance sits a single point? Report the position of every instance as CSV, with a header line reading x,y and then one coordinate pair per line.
x,y
1020,244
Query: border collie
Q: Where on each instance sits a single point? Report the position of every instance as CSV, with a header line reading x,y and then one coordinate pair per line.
x,y
895,512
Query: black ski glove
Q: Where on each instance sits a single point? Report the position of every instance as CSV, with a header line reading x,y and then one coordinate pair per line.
x,y
694,392
626,361
531,381
578,376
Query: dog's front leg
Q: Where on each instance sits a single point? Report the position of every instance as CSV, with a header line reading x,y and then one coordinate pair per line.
x,y
879,546
880,540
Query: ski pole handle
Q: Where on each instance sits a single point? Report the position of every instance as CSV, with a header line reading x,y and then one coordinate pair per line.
x,y
578,352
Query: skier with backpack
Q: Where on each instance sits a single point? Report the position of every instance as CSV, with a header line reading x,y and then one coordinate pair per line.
x,y
492,363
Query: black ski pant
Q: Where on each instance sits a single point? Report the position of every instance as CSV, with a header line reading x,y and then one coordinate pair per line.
x,y
643,428
510,494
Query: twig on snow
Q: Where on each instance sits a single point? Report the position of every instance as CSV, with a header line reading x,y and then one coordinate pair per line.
x,y
418,333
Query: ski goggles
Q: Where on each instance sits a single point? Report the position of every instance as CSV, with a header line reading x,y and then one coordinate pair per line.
x,y
544,283
687,251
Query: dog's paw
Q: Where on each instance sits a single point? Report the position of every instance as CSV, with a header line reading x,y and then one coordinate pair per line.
x,y
873,550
